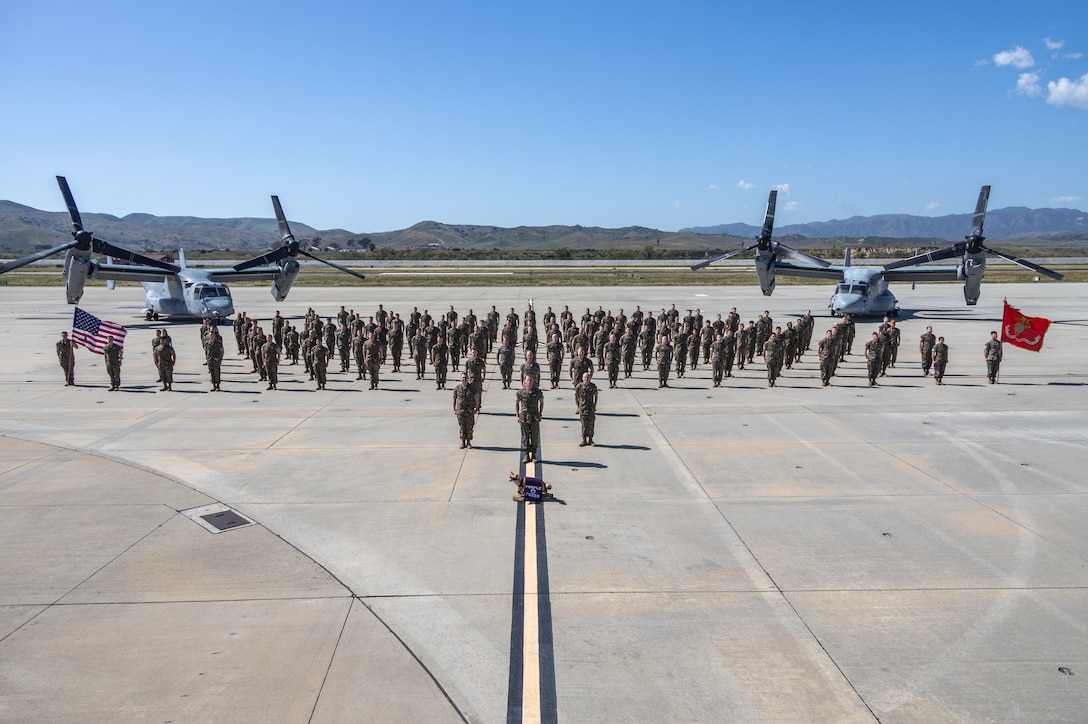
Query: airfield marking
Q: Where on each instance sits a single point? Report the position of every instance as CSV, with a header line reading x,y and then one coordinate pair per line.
x,y
531,695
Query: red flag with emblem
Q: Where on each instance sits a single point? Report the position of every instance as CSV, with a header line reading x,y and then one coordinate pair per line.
x,y
1020,330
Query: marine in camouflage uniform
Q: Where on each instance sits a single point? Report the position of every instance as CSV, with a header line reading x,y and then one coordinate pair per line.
x,y
66,355
529,408
646,344
418,347
164,360
506,365
113,353
372,357
925,349
826,351
578,365
773,354
214,353
612,354
358,343
555,360
531,367
992,352
466,403
270,351
440,360
664,362
628,349
874,355
717,359
585,404
319,362
476,366
940,360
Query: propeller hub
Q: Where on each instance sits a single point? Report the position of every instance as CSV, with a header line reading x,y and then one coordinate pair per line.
x,y
83,239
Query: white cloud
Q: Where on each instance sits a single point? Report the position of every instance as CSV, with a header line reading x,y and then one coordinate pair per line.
x,y
745,184
1065,92
712,187
791,205
783,188
1018,57
1053,44
1028,85
933,206
1074,56
1065,199
676,203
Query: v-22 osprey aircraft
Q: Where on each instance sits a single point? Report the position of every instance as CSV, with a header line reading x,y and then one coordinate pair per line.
x,y
172,290
863,290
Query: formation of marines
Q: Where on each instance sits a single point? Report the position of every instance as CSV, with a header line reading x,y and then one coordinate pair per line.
x,y
580,346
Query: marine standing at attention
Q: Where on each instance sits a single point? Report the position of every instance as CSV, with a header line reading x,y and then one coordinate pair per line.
x,y
113,353
873,357
992,352
214,353
585,404
270,353
466,403
164,360
664,361
529,408
66,355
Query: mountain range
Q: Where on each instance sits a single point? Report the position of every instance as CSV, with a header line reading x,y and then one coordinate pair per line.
x,y
24,229
1014,222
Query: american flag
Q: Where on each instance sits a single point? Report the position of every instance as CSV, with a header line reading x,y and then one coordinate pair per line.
x,y
93,333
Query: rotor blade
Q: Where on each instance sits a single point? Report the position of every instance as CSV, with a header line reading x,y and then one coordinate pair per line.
x,y
708,262
285,230
35,257
1024,263
332,264
272,257
980,212
768,217
104,247
69,200
791,253
946,253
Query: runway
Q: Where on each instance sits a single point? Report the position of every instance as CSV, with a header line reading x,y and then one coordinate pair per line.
x,y
902,553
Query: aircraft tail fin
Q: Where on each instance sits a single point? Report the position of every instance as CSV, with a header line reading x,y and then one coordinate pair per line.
x,y
846,259
181,257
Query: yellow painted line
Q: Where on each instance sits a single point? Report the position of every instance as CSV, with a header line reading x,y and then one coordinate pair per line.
x,y
530,678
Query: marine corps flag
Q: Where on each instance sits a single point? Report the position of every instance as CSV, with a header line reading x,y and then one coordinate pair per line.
x,y
1023,331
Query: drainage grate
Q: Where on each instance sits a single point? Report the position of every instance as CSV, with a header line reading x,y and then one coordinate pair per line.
x,y
226,520
217,518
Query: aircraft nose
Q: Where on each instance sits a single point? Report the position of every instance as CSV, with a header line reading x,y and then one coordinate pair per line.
x,y
847,303
217,306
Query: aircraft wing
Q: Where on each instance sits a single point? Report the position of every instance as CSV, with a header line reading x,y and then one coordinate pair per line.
x,y
127,272
812,272
923,274
256,274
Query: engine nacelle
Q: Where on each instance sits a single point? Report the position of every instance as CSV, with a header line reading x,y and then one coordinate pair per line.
x,y
765,271
77,267
281,285
974,266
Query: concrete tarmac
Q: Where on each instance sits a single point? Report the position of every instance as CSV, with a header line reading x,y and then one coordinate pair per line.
x,y
902,553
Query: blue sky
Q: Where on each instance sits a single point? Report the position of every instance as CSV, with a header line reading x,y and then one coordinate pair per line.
x,y
372,116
